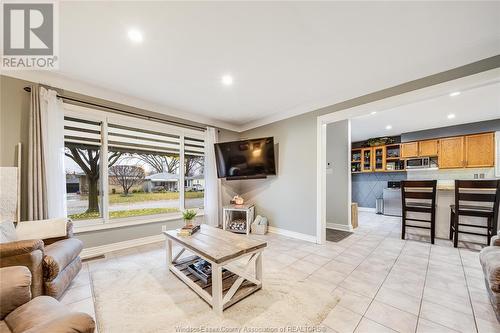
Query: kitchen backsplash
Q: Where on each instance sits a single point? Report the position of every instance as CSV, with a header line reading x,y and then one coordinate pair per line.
x,y
452,174
367,187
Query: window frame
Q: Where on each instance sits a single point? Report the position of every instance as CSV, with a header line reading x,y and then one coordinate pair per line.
x,y
104,117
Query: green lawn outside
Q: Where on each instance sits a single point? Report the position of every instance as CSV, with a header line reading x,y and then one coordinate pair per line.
x,y
149,196
124,213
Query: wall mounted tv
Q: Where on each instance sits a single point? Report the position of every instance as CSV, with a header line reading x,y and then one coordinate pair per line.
x,y
246,159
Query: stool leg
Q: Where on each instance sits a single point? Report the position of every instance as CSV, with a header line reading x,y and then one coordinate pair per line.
x,y
403,226
455,226
451,224
433,230
489,230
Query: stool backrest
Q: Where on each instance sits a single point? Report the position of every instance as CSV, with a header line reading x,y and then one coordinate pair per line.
x,y
483,192
418,190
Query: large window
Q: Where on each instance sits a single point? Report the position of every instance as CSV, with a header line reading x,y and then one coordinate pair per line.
x,y
194,179
140,174
82,153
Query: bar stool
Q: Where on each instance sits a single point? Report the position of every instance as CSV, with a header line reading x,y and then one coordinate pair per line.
x,y
482,200
422,195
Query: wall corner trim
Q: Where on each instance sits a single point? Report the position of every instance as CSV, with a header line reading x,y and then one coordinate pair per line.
x,y
337,226
96,251
292,234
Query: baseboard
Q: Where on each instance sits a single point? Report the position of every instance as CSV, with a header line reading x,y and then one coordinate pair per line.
x,y
292,234
96,251
366,209
342,227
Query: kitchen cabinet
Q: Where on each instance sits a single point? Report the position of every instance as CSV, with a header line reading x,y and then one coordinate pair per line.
x,y
367,160
409,149
451,153
379,158
480,150
428,148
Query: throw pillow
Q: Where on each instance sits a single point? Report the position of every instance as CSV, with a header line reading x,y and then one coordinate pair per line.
x,y
7,232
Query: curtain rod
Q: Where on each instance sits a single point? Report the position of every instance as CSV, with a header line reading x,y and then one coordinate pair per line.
x,y
171,122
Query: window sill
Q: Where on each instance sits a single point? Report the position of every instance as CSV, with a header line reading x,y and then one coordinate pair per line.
x,y
125,222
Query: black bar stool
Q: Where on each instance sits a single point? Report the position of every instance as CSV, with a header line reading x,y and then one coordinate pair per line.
x,y
422,195
481,200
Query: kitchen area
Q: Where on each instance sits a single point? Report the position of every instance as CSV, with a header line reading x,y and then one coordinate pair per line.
x,y
469,150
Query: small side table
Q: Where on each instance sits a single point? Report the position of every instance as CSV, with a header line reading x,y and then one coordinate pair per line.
x,y
228,216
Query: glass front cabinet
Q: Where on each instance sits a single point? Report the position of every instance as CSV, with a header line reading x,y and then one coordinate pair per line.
x,y
367,157
379,158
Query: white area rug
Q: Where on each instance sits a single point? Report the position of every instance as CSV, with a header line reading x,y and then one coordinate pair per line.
x,y
134,292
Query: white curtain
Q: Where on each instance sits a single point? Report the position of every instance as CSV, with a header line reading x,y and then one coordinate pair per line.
x,y
212,183
52,122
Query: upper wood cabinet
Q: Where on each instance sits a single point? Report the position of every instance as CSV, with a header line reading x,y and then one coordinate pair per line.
x,y
366,160
409,149
428,148
451,153
379,159
480,150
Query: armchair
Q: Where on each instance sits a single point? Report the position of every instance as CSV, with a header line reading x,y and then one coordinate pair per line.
x,y
490,261
43,314
53,262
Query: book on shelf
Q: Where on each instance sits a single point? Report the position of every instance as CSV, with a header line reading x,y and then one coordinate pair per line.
x,y
188,230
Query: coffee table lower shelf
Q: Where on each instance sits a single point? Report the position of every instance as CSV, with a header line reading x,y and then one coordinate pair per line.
x,y
228,279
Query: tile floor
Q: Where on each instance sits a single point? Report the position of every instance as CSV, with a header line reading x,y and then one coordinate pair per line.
x,y
382,283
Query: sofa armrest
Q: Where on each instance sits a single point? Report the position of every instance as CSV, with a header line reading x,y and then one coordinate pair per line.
x,y
20,247
15,283
59,255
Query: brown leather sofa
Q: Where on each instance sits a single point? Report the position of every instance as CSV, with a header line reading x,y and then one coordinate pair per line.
x,y
490,261
21,314
53,262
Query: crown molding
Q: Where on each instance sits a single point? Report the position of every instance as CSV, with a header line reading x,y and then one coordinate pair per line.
x,y
64,82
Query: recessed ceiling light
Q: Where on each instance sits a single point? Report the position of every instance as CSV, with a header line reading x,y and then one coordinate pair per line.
x,y
373,112
135,35
388,127
455,93
227,80
451,116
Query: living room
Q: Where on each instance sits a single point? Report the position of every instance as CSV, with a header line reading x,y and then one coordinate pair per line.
x,y
163,168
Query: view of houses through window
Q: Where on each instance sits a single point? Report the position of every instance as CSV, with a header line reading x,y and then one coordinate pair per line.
x,y
143,171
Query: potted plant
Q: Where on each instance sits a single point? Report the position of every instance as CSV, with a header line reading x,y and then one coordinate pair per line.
x,y
188,215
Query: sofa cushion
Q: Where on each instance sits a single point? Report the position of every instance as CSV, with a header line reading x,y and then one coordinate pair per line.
x,y
490,260
44,314
4,328
59,255
38,310
15,282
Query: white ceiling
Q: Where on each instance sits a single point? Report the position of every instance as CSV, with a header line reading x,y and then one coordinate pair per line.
x,y
472,105
286,58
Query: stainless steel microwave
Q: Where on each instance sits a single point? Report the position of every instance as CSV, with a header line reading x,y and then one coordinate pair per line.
x,y
418,163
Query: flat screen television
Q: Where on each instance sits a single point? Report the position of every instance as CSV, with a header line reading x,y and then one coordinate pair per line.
x,y
245,159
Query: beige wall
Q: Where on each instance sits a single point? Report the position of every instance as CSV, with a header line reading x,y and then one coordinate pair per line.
x,y
338,144
14,118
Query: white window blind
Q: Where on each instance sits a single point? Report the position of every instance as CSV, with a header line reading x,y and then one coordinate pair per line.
x,y
129,139
80,132
194,147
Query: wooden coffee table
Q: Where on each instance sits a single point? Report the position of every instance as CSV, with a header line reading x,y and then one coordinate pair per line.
x,y
220,248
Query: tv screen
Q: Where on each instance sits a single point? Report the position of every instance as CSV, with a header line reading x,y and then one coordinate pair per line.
x,y
245,159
